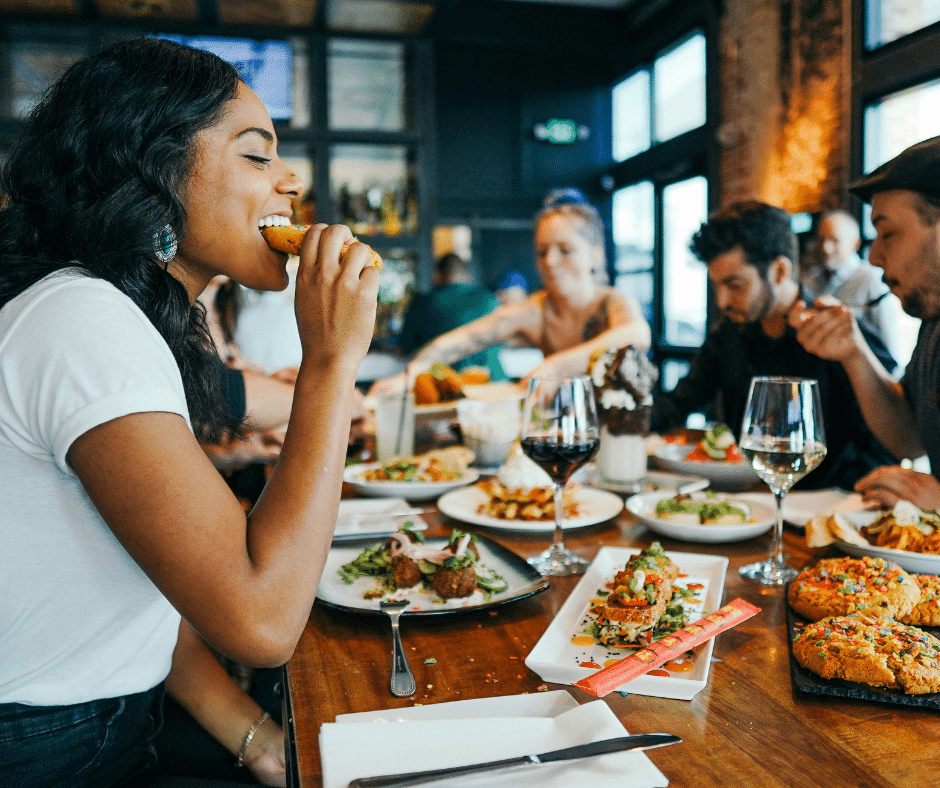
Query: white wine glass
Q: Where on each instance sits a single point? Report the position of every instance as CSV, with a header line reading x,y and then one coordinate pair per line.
x,y
782,437
560,433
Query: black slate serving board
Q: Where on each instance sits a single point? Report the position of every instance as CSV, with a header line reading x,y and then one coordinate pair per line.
x,y
808,682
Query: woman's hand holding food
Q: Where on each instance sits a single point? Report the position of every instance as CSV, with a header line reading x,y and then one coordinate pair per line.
x,y
336,294
885,486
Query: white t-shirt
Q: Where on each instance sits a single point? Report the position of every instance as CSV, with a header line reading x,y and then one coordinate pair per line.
x,y
79,620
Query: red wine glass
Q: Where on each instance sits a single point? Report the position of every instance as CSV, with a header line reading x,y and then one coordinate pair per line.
x,y
560,433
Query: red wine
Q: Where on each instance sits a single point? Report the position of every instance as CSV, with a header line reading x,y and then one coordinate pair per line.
x,y
559,460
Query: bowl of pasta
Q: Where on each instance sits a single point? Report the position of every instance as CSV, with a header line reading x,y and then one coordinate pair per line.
x,y
906,535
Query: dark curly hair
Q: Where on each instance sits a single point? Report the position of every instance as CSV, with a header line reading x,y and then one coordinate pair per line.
x,y
762,231
101,166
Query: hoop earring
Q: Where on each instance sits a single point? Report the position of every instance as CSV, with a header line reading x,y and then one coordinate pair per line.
x,y
164,242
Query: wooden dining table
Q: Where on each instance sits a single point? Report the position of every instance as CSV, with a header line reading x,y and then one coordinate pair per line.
x,y
748,727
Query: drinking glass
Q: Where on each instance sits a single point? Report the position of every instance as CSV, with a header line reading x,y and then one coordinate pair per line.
x,y
782,437
560,433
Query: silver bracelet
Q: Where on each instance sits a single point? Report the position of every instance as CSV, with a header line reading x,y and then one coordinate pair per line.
x,y
240,758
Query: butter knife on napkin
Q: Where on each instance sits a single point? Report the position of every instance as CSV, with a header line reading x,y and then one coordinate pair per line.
x,y
623,743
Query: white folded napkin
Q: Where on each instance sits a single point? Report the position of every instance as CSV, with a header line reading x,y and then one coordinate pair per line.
x,y
364,749
347,524
800,506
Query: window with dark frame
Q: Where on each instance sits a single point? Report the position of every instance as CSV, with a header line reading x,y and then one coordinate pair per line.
x,y
661,196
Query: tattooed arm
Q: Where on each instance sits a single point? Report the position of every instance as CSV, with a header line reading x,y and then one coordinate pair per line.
x,y
520,321
498,326
625,325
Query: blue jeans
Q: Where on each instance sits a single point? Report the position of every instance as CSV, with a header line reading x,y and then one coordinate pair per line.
x,y
98,744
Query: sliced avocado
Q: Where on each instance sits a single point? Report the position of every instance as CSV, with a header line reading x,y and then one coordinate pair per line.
x,y
712,450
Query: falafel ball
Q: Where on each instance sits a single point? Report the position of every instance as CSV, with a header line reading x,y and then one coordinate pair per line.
x,y
454,583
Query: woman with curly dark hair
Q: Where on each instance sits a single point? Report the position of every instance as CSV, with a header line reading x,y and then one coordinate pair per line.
x,y
145,171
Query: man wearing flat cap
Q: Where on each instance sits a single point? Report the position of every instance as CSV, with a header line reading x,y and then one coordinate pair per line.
x,y
905,416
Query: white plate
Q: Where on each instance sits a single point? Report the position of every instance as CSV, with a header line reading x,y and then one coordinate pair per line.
x,y
486,392
643,506
652,481
801,505
523,581
413,491
364,518
722,475
556,658
464,503
539,704
460,732
919,563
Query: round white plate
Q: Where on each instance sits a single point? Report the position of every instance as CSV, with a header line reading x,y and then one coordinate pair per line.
x,y
722,475
596,506
919,563
413,491
643,506
652,481
485,392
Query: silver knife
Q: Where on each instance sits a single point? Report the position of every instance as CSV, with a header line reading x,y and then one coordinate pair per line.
x,y
643,741
390,514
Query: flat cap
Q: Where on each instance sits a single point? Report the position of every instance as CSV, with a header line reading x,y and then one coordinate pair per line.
x,y
916,168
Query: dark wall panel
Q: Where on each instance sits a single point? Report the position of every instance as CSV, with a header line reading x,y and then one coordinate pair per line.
x,y
488,102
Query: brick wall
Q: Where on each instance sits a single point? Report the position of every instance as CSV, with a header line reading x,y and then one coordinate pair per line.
x,y
784,102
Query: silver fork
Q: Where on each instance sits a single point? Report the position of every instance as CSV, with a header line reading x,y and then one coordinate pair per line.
x,y
403,682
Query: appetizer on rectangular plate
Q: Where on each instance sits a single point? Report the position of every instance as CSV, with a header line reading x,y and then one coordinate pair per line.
x,y
611,612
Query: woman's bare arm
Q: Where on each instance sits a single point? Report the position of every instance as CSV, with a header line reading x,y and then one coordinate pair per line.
x,y
201,686
498,326
627,327
246,585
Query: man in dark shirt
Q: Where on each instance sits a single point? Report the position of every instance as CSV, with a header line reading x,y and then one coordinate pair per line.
x,y
751,255
905,210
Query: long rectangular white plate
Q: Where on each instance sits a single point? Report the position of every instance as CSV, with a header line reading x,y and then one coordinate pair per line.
x,y
348,527
555,658
451,734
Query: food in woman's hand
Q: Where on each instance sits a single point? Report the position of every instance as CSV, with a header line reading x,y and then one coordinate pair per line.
x,y
718,445
703,509
641,604
872,651
288,238
867,586
405,561
905,527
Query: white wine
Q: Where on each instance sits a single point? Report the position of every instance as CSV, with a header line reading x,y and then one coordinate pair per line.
x,y
778,465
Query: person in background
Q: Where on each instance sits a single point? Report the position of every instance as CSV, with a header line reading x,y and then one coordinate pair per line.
x,y
905,199
454,301
513,288
568,320
840,272
751,253
145,171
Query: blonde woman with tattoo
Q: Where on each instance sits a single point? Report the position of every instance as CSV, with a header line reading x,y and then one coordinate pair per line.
x,y
568,320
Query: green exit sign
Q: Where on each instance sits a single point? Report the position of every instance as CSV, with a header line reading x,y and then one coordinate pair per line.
x,y
559,131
